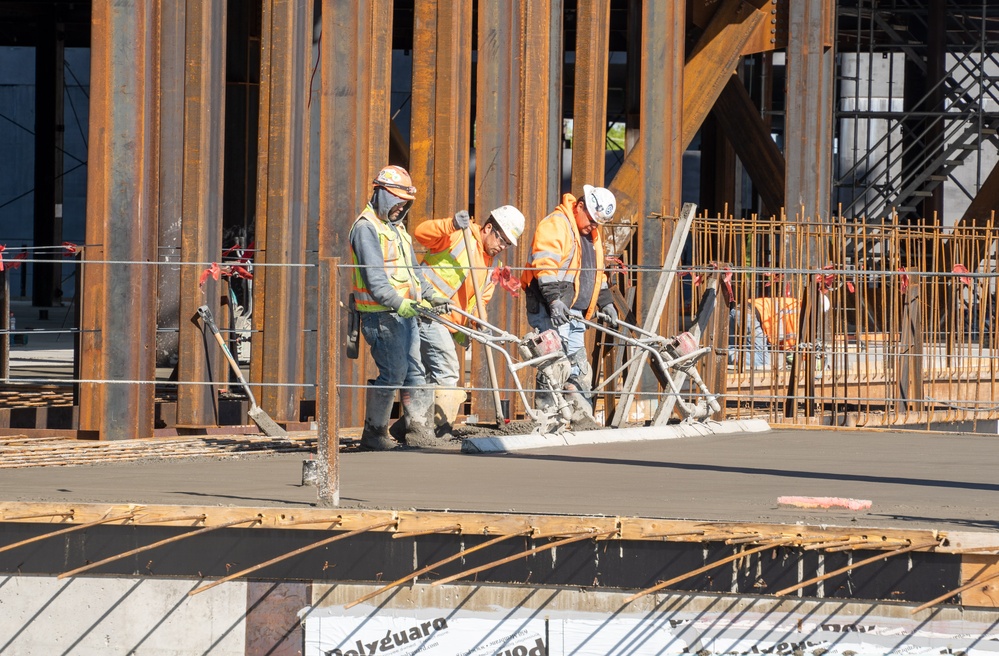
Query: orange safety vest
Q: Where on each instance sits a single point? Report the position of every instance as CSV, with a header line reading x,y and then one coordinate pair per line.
x,y
779,320
400,268
555,255
447,264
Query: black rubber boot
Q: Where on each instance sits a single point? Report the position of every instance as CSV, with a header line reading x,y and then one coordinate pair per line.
x,y
377,411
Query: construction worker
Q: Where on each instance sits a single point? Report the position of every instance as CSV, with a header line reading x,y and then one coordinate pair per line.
x,y
564,278
446,267
388,287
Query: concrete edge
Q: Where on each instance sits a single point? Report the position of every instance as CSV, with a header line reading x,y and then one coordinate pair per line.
x,y
507,443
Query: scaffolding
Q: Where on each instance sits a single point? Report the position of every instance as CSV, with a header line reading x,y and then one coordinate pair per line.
x,y
917,110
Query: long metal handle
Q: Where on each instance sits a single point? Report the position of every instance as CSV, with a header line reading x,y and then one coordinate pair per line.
x,y
206,315
466,233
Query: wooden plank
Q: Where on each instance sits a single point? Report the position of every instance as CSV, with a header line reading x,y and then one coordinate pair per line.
x,y
656,308
484,524
979,567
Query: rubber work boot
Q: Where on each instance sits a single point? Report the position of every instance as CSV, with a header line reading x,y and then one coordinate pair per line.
x,y
418,410
582,414
377,412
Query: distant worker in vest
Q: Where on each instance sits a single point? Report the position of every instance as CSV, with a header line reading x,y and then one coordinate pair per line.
x,y
565,280
447,266
388,287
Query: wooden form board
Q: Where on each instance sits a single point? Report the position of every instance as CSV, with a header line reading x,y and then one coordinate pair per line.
x,y
62,515
656,308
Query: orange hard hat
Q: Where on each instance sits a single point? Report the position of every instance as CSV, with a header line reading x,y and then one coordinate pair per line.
x,y
396,179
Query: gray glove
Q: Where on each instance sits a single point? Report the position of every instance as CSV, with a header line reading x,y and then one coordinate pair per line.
x,y
612,316
559,312
439,301
461,220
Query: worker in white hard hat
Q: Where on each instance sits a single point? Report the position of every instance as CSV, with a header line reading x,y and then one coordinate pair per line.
x,y
447,265
564,278
387,287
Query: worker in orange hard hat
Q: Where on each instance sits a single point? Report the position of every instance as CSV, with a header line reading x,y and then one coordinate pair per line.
x,y
564,278
388,286
449,267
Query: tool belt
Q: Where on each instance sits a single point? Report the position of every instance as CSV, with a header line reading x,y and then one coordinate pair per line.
x,y
353,328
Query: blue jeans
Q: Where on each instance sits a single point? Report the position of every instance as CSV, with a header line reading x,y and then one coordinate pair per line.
x,y
440,359
395,348
572,333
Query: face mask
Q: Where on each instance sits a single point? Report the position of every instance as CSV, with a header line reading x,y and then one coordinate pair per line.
x,y
385,203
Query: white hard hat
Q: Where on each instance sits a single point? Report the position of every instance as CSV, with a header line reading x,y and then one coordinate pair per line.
x,y
510,221
600,203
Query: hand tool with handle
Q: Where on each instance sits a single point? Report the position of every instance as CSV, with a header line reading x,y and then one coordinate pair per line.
x,y
466,233
256,413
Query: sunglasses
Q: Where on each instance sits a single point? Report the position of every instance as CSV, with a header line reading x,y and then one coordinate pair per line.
x,y
409,190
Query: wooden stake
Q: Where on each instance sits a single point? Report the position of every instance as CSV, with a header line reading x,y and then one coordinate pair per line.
x,y
78,527
828,543
39,516
291,554
752,538
706,568
866,561
666,536
460,554
868,544
586,536
430,531
163,520
175,538
966,586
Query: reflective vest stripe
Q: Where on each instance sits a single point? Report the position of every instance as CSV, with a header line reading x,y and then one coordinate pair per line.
x,y
401,276
563,267
443,263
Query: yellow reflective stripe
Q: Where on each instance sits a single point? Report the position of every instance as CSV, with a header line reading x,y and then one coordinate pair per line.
x,y
438,264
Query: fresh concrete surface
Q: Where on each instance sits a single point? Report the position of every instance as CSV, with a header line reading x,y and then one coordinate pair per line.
x,y
915,480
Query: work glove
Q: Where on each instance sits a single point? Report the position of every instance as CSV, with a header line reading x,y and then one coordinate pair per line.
x,y
408,308
461,220
439,301
559,312
611,314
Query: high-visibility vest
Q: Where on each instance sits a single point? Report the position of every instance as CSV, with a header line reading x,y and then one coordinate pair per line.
x,y
779,320
549,262
447,270
397,249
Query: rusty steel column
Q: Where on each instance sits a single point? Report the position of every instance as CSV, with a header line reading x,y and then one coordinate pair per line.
x,y
170,183
201,228
276,359
442,108
809,118
589,98
519,56
662,139
119,305
350,159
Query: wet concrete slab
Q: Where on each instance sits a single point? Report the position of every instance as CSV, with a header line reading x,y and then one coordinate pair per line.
x,y
913,479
